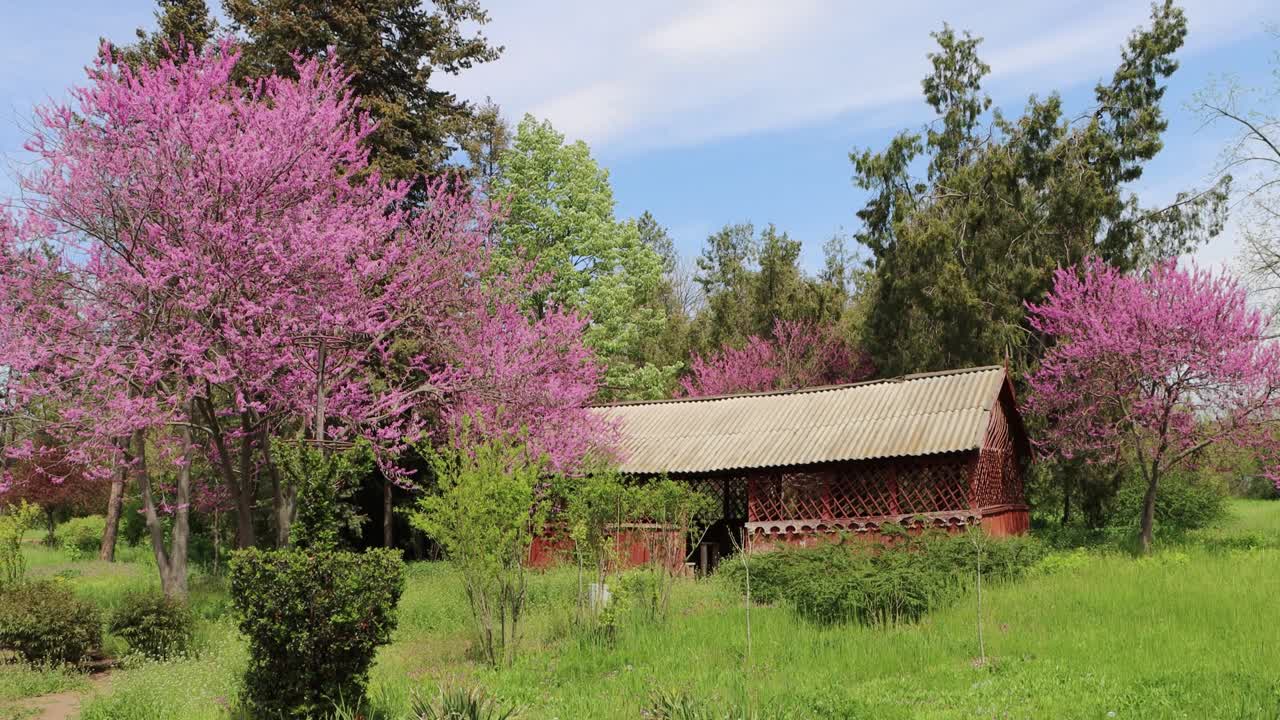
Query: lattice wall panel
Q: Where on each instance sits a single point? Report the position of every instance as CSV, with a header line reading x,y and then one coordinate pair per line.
x,y
999,478
933,487
876,489
730,494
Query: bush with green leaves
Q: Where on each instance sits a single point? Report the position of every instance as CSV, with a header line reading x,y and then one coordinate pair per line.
x,y
153,624
489,507
82,536
314,619
874,584
45,623
15,521
1186,501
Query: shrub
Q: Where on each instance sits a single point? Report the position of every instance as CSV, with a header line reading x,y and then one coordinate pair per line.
x,y
15,520
1184,502
81,536
878,584
314,620
43,622
133,523
153,624
461,704
485,516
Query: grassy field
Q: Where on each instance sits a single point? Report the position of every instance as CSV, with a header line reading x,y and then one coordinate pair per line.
x,y
1186,633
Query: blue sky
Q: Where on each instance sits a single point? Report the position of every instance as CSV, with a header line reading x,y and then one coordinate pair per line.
x,y
708,112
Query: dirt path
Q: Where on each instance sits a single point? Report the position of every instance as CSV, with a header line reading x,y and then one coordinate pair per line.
x,y
63,705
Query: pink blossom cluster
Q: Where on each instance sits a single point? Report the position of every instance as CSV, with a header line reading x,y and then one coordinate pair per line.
x,y
1155,367
192,251
800,354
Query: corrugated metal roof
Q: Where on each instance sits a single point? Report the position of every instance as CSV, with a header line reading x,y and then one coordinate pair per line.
x,y
913,415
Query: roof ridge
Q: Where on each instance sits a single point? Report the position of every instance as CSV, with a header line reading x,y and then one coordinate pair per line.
x,y
800,391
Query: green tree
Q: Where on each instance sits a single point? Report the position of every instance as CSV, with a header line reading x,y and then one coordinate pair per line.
x,y
485,515
748,281
394,50
779,284
676,296
561,213
1005,201
178,23
725,272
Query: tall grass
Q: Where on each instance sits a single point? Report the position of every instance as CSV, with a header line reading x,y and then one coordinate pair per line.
x,y
1187,633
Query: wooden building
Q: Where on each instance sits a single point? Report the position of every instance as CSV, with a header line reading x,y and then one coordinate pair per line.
x,y
943,449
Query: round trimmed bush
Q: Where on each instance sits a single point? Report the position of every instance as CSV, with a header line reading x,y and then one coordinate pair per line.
x,y
44,623
314,620
154,625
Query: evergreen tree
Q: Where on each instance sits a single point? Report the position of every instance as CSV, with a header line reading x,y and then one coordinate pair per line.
x,y
1006,201
393,49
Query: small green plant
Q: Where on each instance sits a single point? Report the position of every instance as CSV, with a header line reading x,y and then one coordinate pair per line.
x,y
487,511
154,625
667,705
15,521
461,704
44,622
314,619
81,537
675,508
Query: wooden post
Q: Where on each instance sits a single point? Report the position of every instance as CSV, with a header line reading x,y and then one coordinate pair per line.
x,y
895,507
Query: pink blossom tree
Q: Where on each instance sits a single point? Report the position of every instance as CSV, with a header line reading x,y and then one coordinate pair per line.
x,y
1152,369
196,266
800,354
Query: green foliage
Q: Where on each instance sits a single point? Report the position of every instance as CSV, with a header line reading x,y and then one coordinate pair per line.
x,y
593,505
667,705
325,483
314,620
461,704
749,280
1185,502
561,212
82,536
873,584
676,508
392,48
488,508
1074,643
133,524
1007,200
154,625
44,622
15,521
1105,503
20,680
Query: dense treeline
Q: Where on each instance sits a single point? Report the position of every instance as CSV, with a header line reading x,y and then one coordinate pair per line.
x,y
963,222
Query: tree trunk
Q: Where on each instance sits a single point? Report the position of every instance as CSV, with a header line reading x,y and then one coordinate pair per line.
x,y
387,518
282,498
1066,499
245,533
1149,513
115,506
176,585
172,565
239,487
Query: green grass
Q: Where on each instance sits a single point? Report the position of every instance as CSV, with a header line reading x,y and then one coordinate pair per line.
x,y
1187,633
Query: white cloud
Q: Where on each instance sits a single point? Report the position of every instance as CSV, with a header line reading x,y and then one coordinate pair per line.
x,y
729,27
641,75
